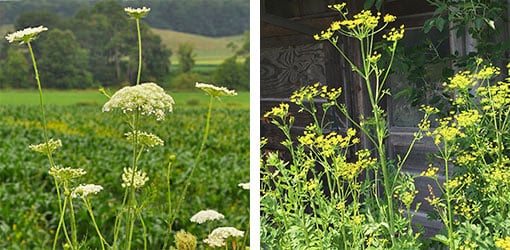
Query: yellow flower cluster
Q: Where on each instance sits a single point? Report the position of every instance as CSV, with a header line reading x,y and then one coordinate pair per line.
x,y
488,72
306,93
446,132
338,7
351,170
494,98
461,81
467,209
465,159
468,245
361,25
280,111
394,34
503,243
467,118
327,144
430,172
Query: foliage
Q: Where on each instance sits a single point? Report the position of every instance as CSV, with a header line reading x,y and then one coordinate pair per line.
x,y
63,62
216,17
186,57
320,198
231,72
103,31
141,107
28,199
472,144
14,70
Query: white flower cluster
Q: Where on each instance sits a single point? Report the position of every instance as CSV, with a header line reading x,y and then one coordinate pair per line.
x,y
47,148
214,90
138,12
83,190
206,215
140,178
144,138
25,35
66,173
217,237
244,185
147,98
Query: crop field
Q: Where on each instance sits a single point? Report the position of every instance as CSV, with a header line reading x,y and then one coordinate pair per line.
x,y
95,141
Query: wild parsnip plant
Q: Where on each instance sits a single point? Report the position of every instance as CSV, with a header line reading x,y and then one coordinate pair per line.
x,y
474,201
320,199
138,105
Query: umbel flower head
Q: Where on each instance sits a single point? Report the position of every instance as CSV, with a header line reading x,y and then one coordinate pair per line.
x,y
139,180
66,173
145,139
218,236
147,98
138,12
47,148
214,90
185,240
26,35
206,215
83,190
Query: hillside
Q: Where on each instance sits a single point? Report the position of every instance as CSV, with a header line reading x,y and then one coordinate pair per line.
x,y
210,50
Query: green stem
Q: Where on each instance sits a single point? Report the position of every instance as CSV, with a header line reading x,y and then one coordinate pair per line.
x,y
60,223
74,233
144,230
197,158
91,213
139,51
448,198
169,199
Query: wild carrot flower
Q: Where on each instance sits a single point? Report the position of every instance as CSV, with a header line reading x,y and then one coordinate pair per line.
x,y
217,237
66,173
214,90
140,178
83,190
26,35
148,98
206,215
185,241
145,139
244,185
138,12
46,148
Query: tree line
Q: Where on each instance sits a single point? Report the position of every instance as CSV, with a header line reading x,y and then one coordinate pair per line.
x,y
98,47
205,17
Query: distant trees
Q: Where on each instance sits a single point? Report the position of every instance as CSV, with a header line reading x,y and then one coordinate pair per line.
x,y
234,72
62,62
98,46
205,17
14,70
186,57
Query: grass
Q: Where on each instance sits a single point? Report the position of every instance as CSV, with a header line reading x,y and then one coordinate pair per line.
x,y
210,50
93,97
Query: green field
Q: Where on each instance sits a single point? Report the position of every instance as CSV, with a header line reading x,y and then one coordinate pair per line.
x,y
93,97
210,50
95,141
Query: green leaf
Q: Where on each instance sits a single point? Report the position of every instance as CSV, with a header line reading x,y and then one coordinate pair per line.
x,y
440,23
368,4
441,238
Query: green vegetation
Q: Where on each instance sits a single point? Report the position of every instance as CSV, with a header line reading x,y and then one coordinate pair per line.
x,y
209,50
94,141
94,98
216,18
